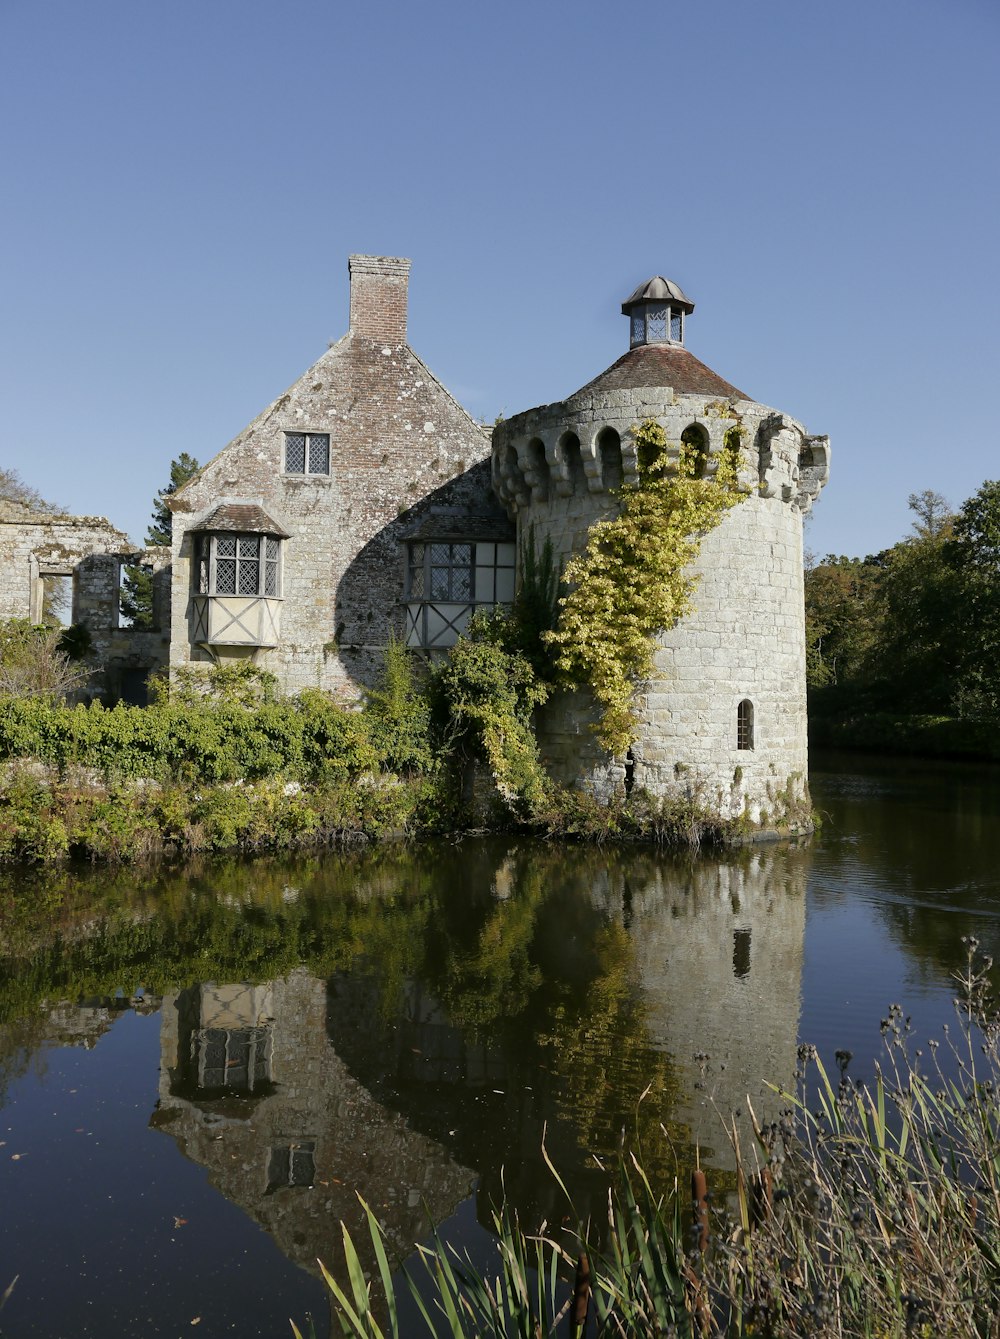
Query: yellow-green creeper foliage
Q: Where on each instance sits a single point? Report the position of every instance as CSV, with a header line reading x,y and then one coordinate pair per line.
x,y
635,578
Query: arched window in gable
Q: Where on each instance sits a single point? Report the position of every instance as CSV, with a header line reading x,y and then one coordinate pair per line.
x,y
744,724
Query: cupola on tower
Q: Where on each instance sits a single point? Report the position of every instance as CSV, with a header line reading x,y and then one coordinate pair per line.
x,y
722,719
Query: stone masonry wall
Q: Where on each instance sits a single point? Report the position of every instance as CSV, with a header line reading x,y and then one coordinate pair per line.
x,y
359,1146
557,469
400,447
90,551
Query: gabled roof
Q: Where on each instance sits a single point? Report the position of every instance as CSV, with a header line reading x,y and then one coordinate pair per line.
x,y
245,517
661,365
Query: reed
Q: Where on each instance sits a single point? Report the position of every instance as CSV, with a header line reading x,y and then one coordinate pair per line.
x,y
867,1210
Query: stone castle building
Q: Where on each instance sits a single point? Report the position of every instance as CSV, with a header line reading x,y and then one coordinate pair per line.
x,y
724,717
357,505
365,502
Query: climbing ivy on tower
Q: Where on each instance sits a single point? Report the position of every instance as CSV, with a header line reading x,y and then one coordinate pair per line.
x,y
635,579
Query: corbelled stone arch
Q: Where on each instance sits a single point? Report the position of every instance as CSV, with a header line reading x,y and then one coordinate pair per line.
x,y
766,433
568,448
695,437
609,452
534,466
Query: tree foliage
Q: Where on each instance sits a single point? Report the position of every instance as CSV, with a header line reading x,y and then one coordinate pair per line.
x,y
914,629
161,526
137,585
14,489
37,661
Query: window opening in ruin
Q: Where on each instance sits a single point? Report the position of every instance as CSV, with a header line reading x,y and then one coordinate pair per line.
x,y
629,771
133,687
609,446
744,724
231,564
57,598
446,580
291,1164
135,595
741,953
307,453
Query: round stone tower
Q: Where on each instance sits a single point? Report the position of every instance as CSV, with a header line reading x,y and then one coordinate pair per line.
x,y
723,718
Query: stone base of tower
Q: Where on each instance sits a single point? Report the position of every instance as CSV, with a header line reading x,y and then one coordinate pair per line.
x,y
750,796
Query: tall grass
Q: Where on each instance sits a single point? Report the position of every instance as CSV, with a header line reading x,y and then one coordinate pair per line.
x,y
868,1210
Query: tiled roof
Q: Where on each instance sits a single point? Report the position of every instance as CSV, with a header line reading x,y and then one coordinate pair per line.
x,y
245,517
660,365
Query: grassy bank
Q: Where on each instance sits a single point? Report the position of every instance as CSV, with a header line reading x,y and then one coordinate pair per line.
x,y
868,1209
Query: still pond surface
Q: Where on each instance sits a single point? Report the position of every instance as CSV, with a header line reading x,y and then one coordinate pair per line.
x,y
198,1072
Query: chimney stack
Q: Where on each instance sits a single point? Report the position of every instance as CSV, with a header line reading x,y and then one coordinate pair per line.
x,y
378,297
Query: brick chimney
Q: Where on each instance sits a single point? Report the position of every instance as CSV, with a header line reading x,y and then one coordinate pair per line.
x,y
378,297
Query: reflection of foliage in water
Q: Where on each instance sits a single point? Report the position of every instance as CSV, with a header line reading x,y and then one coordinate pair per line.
x,y
604,1065
523,948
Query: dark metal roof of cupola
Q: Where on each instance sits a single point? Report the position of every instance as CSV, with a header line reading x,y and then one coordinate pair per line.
x,y
658,289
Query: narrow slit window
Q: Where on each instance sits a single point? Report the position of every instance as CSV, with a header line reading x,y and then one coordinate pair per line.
x,y
744,724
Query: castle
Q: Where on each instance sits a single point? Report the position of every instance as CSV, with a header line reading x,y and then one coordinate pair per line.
x,y
366,502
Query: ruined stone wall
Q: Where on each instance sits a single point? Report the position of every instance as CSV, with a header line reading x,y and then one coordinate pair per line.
x,y
89,551
400,446
556,468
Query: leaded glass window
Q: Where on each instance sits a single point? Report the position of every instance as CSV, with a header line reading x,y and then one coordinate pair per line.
x,y
656,324
225,565
238,1058
271,567
307,453
248,564
228,564
291,1164
447,579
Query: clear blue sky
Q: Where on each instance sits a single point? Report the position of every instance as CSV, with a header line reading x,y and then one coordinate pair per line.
x,y
183,183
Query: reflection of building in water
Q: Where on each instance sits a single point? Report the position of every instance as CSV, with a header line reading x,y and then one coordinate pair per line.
x,y
251,1089
718,947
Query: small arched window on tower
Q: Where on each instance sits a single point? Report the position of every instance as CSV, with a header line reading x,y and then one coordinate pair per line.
x,y
744,724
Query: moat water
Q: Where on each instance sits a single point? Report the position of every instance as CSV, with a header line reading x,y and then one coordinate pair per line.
x,y
200,1069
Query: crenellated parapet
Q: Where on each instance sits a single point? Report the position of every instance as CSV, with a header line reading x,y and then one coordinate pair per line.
x,y
586,445
720,722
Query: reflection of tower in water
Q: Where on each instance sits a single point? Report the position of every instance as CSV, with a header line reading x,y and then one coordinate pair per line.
x,y
718,952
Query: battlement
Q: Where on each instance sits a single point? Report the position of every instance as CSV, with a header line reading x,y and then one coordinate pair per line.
x,y
578,446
